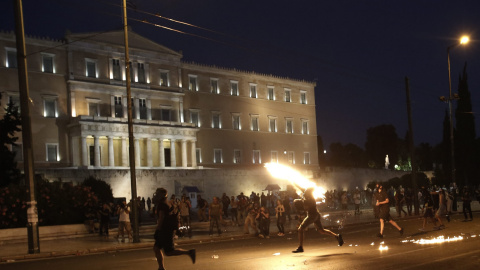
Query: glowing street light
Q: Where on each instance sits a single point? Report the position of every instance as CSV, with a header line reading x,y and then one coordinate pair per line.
x,y
463,40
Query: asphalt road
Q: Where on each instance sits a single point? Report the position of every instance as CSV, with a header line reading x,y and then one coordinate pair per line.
x,y
360,251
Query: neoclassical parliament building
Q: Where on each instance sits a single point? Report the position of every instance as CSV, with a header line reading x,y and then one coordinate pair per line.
x,y
186,116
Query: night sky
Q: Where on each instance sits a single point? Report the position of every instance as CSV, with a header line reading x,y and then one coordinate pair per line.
x,y
358,52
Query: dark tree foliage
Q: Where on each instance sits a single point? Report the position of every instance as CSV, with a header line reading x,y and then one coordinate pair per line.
x,y
102,189
424,157
355,156
381,141
336,154
321,154
442,152
9,125
57,203
465,162
349,155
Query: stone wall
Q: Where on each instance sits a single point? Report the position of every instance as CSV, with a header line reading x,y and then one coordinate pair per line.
x,y
214,182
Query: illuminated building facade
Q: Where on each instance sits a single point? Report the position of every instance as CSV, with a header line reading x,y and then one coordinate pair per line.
x,y
186,115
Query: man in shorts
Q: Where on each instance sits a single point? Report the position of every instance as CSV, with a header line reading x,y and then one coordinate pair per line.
x,y
384,211
313,216
428,206
165,229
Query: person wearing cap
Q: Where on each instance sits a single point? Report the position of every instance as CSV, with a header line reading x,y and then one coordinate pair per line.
x,y
166,220
384,211
313,216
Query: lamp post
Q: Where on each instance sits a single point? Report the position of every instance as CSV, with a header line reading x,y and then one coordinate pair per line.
x,y
463,40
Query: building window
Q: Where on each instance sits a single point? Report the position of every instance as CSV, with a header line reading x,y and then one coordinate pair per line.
x,y
216,121
236,121
303,97
271,93
194,118
256,157
217,156
118,107
289,125
132,72
134,115
306,158
50,107
14,100
198,155
192,83
91,68
141,72
165,114
253,90
304,127
288,95
17,150
142,106
291,157
272,122
234,88
47,63
11,58
255,126
116,70
93,109
274,157
214,86
237,156
52,152
164,78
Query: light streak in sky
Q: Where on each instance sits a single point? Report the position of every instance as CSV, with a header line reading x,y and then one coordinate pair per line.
x,y
296,178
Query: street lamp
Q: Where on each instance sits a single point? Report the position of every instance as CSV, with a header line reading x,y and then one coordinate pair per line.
x,y
463,40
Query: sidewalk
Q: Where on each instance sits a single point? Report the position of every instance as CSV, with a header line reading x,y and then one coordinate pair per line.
x,y
93,243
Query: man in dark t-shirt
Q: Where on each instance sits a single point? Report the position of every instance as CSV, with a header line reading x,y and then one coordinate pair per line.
x,y
165,228
313,216
384,211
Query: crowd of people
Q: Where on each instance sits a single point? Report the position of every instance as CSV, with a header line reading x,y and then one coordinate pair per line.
x,y
255,212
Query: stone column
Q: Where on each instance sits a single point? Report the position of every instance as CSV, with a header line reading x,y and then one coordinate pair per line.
x,y
173,158
137,153
149,109
184,153
161,153
84,151
111,154
75,151
194,154
149,153
125,104
112,106
96,147
124,152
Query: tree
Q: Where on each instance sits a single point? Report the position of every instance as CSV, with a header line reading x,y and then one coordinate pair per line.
x,y
424,157
465,134
381,141
355,156
321,154
102,189
9,126
337,155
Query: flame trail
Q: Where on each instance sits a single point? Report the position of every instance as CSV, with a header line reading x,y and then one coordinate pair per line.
x,y
297,179
383,248
438,240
